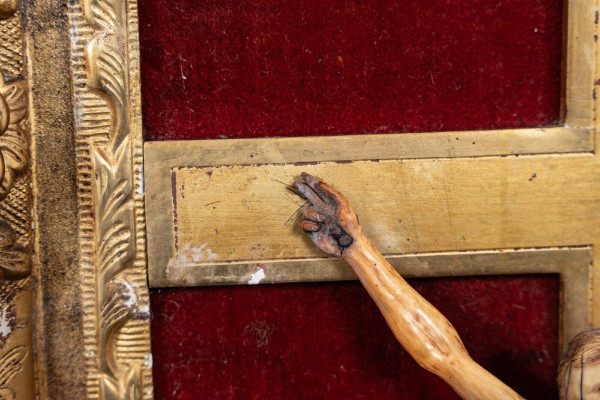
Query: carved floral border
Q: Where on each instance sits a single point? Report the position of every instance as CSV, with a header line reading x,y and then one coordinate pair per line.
x,y
110,195
16,350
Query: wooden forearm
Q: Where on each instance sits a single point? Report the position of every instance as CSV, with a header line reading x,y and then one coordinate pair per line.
x,y
423,331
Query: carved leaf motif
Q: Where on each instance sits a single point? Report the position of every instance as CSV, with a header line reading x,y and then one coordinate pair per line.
x,y
107,74
10,365
127,387
108,77
104,13
115,211
113,194
118,305
14,148
113,189
116,247
7,394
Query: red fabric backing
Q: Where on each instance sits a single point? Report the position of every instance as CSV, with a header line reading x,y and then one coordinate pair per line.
x,y
243,68
329,341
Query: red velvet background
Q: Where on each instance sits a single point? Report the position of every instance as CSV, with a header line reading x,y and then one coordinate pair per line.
x,y
329,341
242,68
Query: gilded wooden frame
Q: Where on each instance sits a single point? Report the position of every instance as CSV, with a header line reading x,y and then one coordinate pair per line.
x,y
92,307
72,195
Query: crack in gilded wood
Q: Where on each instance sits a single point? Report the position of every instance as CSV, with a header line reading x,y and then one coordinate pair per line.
x,y
112,228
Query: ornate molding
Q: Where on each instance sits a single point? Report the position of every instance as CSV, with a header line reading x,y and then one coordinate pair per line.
x,y
14,146
16,357
111,221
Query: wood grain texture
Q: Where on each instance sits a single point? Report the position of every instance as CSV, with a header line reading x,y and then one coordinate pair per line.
x,y
421,329
333,226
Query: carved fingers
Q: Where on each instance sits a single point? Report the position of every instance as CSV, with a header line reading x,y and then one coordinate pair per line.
x,y
329,221
312,215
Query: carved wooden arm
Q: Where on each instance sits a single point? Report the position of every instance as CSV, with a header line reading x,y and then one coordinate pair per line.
x,y
425,333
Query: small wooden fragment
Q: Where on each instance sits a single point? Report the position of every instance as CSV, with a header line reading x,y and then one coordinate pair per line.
x,y
425,333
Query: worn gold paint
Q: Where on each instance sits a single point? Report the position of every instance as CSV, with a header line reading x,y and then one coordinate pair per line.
x,y
245,213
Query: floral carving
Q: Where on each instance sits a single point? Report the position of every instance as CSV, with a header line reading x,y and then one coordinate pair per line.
x,y
14,149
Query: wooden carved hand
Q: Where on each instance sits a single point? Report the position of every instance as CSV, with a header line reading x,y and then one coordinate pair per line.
x,y
330,222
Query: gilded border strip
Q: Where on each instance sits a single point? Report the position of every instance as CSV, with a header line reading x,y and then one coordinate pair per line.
x,y
572,264
105,68
458,144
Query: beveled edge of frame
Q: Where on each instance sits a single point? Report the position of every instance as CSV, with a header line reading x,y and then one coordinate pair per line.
x,y
573,264
393,146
